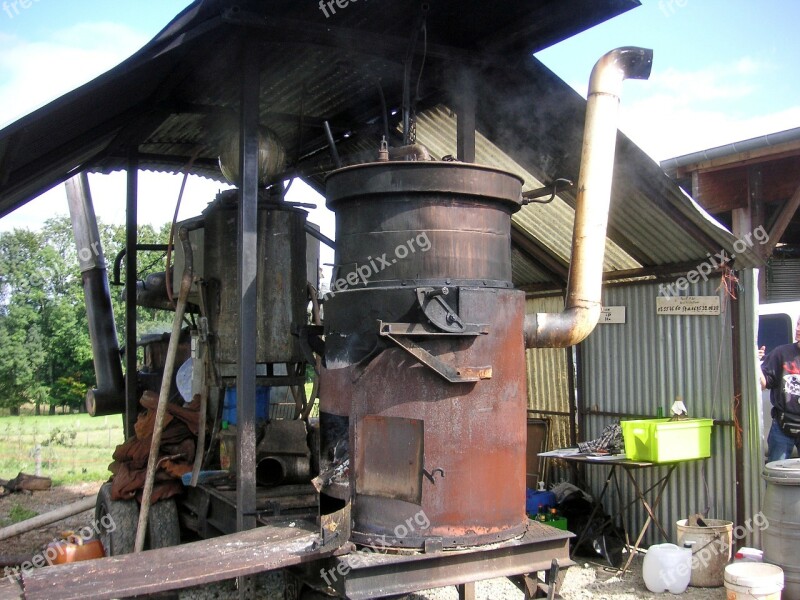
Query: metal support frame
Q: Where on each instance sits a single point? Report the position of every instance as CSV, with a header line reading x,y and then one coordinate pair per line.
x,y
738,412
247,253
641,496
364,574
247,268
131,239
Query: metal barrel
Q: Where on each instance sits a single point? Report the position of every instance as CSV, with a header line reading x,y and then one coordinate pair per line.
x,y
401,221
780,521
281,281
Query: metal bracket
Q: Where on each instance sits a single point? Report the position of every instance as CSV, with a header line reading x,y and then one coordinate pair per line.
x,y
420,329
335,527
449,372
552,190
439,313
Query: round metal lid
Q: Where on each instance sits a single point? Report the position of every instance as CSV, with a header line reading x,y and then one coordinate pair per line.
x,y
783,472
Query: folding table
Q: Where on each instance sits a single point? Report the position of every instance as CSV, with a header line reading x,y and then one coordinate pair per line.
x,y
628,467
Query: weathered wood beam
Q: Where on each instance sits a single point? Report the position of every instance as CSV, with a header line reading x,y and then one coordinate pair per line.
x,y
188,565
784,218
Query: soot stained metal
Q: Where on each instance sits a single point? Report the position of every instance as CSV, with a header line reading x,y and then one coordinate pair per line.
x,y
425,357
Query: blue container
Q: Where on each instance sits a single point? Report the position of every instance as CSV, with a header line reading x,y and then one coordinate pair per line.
x,y
533,499
262,404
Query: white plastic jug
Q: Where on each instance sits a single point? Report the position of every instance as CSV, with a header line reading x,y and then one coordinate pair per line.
x,y
667,567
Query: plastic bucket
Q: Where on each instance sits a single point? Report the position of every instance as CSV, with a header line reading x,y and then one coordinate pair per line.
x,y
711,550
752,580
781,510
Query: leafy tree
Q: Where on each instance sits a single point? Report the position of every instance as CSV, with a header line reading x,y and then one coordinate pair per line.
x,y
45,354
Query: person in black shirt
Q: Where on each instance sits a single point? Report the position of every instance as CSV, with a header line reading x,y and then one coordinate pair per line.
x,y
780,374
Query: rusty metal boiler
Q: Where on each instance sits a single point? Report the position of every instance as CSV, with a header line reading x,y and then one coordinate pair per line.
x,y
425,353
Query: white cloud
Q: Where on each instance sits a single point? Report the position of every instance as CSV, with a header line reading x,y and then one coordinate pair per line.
x,y
35,73
680,112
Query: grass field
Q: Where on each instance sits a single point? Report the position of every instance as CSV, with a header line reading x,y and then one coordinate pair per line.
x,y
72,448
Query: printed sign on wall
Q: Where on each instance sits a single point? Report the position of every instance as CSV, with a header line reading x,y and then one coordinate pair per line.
x,y
688,305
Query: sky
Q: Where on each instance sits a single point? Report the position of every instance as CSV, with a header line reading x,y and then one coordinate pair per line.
x,y
723,71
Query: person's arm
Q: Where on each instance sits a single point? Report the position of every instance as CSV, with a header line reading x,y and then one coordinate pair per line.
x,y
770,367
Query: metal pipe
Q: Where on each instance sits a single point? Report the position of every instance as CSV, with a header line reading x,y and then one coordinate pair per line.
x,y
332,145
583,302
418,151
131,279
109,395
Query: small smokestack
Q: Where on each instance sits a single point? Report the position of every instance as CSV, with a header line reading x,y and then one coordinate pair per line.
x,y
583,302
109,396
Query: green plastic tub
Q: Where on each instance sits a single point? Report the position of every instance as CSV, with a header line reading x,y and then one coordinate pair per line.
x,y
662,440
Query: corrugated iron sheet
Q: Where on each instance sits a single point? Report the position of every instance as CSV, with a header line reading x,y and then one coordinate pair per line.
x,y
783,279
548,379
551,224
648,362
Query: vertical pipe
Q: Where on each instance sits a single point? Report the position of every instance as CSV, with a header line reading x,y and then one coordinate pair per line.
x,y
465,123
247,251
109,395
573,396
738,418
131,239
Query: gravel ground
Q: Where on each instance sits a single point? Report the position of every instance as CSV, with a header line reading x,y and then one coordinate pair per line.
x,y
584,581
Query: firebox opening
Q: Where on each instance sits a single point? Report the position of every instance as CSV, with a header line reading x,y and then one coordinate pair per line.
x,y
270,471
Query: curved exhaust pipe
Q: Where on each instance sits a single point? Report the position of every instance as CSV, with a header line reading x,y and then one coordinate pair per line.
x,y
583,302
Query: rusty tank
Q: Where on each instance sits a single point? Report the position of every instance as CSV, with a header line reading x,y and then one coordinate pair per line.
x,y
425,352
425,387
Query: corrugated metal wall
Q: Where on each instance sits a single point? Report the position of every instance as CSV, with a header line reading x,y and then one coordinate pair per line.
x,y
783,280
647,362
548,380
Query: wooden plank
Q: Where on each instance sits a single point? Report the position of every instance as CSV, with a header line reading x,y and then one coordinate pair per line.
x,y
236,555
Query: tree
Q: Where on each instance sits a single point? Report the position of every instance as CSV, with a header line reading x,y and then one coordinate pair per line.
x,y
45,355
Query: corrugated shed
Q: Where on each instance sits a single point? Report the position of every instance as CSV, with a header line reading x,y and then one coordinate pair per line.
x,y
647,362
783,279
548,379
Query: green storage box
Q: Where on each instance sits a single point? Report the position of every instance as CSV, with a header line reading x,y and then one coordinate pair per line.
x,y
559,523
662,440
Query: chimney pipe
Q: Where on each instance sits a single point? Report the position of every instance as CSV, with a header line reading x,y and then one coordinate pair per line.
x,y
109,396
583,302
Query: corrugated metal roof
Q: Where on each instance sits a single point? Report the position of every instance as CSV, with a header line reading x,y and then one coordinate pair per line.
x,y
177,97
